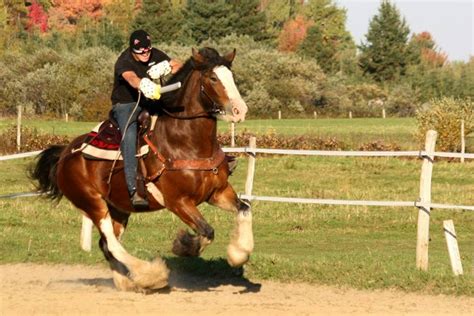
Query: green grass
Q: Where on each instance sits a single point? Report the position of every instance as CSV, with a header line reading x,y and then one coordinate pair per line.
x,y
360,247
399,130
352,132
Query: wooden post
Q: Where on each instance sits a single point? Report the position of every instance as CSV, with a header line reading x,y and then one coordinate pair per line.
x,y
424,207
350,114
66,117
251,167
232,134
86,233
383,113
279,115
18,129
463,141
315,115
453,249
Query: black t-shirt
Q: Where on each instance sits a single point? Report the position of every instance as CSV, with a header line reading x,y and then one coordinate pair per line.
x,y
122,91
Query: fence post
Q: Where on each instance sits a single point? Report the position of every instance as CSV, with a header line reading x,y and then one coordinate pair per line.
x,y
383,113
279,115
315,114
66,117
350,114
463,141
251,166
453,249
423,227
86,233
232,134
18,128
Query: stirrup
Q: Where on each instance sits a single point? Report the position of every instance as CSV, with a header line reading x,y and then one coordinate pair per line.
x,y
138,202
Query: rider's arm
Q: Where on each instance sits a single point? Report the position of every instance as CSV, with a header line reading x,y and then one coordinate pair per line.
x,y
132,78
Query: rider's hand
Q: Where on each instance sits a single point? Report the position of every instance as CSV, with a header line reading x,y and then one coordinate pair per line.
x,y
150,89
159,70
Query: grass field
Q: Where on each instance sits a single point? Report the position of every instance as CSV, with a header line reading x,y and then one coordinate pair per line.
x,y
361,247
398,130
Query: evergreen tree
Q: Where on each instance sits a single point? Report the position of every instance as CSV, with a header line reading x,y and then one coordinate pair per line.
x,y
209,19
385,55
249,20
217,19
162,20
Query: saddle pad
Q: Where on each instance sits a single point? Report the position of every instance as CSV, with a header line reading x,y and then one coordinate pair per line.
x,y
103,142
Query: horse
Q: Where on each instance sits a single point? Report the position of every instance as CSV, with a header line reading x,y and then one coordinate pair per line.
x,y
185,167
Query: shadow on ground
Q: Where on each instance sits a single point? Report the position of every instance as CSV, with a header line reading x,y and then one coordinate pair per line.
x,y
197,274
192,274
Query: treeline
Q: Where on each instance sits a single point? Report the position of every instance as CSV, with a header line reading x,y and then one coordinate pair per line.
x,y
295,56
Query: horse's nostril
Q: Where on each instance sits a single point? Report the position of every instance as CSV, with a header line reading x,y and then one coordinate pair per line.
x,y
236,111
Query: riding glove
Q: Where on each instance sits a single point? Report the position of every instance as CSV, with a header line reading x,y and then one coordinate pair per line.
x,y
159,70
150,89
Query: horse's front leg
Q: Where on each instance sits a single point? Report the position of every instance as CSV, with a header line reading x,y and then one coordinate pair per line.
x,y
187,244
241,243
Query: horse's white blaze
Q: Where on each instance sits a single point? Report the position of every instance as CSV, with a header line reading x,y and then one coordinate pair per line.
x,y
239,108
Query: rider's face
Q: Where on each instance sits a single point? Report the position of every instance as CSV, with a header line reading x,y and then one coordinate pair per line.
x,y
142,56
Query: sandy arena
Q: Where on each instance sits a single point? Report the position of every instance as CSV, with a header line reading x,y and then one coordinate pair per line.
x,y
30,289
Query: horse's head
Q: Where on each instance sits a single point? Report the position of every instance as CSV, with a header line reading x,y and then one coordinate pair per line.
x,y
219,93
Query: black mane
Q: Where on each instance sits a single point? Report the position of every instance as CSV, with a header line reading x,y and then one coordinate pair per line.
x,y
211,60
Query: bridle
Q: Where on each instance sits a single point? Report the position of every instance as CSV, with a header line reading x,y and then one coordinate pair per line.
x,y
215,107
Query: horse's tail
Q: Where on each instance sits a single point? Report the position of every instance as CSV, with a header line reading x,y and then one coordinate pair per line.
x,y
44,172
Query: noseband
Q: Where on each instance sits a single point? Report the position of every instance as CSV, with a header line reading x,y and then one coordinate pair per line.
x,y
215,108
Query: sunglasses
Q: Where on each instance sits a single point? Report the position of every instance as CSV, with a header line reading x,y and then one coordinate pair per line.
x,y
142,51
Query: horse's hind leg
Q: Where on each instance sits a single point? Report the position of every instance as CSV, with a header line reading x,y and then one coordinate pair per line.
x,y
241,244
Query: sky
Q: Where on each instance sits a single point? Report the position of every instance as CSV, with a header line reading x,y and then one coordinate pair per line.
x,y
450,22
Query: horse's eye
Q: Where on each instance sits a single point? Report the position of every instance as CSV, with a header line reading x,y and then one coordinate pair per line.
x,y
214,78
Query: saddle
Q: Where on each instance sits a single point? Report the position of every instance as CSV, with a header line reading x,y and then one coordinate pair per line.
x,y
103,142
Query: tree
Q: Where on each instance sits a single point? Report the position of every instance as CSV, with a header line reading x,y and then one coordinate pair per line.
x,y
162,20
327,39
293,33
208,19
249,19
217,19
422,49
384,55
37,17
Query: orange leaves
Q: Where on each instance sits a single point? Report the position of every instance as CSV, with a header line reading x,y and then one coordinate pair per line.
x,y
293,33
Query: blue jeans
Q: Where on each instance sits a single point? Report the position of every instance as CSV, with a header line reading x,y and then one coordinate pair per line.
x,y
121,113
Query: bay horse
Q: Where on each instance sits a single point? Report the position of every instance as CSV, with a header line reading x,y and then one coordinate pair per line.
x,y
186,167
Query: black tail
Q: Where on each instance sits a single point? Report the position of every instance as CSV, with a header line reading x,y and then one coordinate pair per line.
x,y
44,172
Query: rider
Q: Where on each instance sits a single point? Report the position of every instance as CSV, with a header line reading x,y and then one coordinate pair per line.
x,y
134,71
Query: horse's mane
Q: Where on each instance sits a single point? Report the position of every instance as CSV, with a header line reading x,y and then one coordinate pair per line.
x,y
211,60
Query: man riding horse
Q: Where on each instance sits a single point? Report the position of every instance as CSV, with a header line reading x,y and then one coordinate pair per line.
x,y
134,71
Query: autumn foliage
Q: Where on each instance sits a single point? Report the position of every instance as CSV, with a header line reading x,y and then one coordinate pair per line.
x,y
293,33
37,17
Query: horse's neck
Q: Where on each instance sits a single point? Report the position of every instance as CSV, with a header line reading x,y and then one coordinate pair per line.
x,y
196,137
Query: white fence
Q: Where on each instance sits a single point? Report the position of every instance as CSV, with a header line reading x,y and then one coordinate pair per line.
x,y
423,204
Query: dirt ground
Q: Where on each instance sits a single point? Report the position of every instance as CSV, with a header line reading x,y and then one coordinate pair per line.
x,y
29,289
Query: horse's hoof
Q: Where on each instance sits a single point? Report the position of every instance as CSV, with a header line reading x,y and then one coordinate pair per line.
x,y
236,256
186,245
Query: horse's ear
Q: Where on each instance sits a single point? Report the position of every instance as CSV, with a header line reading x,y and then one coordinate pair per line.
x,y
197,57
230,56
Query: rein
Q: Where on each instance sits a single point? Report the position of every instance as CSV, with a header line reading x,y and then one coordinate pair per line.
x,y
204,114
